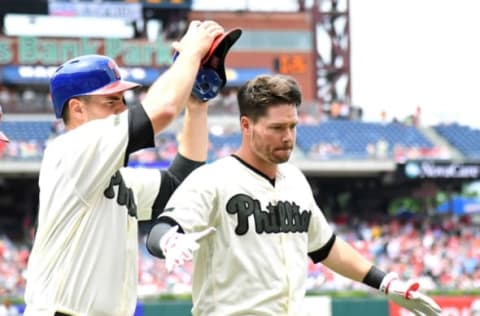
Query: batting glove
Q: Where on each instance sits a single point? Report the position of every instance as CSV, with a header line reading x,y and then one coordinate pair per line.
x,y
406,295
178,248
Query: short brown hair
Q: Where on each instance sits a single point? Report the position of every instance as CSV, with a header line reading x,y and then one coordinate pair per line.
x,y
257,95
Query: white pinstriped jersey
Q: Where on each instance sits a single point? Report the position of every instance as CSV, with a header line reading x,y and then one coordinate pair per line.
x,y
256,261
85,255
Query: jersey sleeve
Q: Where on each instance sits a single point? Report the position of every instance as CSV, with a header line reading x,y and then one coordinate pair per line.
x,y
319,231
192,205
93,152
145,184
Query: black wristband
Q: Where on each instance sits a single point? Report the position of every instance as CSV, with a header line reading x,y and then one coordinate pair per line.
x,y
162,225
374,277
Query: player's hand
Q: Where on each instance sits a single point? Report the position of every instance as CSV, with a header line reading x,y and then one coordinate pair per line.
x,y
406,294
199,37
178,248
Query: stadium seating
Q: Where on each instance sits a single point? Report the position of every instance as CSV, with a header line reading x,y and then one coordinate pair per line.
x,y
27,130
352,138
464,138
333,139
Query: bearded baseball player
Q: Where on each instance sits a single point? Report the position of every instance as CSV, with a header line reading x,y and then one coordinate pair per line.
x,y
250,221
84,260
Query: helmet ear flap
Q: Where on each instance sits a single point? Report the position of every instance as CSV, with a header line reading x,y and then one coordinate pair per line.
x,y
207,84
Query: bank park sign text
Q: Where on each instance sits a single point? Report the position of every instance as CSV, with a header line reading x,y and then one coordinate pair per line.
x,y
48,51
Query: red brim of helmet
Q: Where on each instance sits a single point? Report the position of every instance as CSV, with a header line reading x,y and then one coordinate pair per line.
x,y
115,87
4,138
227,39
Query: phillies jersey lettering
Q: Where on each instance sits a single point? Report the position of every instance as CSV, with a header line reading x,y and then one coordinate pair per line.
x,y
125,194
284,217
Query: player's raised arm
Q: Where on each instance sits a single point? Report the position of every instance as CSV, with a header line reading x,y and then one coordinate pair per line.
x,y
193,141
169,93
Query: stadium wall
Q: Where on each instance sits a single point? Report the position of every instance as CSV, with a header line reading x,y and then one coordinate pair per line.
x,y
327,306
461,305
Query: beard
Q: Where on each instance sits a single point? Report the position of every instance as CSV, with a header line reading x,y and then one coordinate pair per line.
x,y
281,156
270,154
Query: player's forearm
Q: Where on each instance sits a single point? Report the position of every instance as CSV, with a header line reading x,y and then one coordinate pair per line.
x,y
194,138
153,239
169,93
345,260
348,262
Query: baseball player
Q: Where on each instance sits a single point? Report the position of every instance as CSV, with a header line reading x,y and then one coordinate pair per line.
x,y
84,260
250,221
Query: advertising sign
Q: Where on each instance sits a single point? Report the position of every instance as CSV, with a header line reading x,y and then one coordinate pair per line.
x,y
440,170
30,50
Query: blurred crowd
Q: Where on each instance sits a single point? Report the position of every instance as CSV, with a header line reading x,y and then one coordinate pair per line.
x,y
13,264
22,150
441,253
166,147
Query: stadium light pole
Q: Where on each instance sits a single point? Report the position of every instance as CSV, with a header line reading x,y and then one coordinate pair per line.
x,y
331,43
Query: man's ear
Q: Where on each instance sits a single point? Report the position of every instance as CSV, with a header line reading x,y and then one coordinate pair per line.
x,y
245,124
76,110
